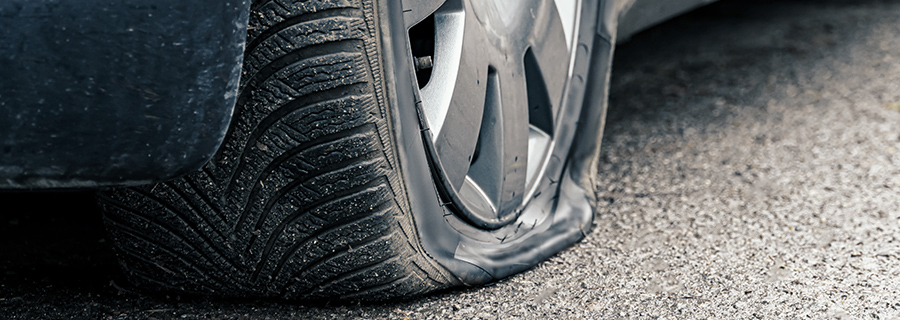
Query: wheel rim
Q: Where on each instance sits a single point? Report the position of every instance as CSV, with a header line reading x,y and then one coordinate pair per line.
x,y
491,98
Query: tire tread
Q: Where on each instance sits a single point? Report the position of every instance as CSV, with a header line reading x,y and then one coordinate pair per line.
x,y
303,200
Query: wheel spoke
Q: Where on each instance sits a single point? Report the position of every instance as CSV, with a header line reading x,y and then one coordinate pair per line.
x,y
514,161
487,170
414,11
450,22
455,104
549,46
568,13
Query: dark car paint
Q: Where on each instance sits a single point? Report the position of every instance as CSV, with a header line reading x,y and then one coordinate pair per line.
x,y
96,92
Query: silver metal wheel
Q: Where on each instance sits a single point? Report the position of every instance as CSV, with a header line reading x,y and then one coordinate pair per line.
x,y
492,89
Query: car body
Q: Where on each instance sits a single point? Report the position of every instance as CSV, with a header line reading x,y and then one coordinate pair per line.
x,y
97,93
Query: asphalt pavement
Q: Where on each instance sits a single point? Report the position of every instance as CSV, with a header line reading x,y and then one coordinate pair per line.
x,y
750,170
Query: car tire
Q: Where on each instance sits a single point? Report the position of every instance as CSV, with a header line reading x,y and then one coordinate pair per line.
x,y
333,181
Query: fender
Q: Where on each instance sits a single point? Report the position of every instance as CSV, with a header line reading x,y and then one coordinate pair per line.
x,y
96,93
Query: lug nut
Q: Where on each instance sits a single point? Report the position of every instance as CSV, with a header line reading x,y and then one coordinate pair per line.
x,y
423,63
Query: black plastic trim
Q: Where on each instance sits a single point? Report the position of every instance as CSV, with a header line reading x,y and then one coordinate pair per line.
x,y
96,93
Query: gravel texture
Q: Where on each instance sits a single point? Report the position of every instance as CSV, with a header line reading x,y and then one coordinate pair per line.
x,y
751,169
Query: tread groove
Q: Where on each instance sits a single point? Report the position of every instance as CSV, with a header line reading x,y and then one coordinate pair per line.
x,y
204,198
293,21
312,175
168,207
321,202
322,232
386,234
310,101
168,229
190,203
147,260
303,54
360,270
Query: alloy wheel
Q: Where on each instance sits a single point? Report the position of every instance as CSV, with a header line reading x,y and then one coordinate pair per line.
x,y
492,82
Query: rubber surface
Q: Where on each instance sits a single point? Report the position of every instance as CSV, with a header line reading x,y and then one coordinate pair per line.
x,y
304,200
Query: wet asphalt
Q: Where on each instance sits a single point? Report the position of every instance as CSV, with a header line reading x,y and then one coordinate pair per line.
x,y
750,170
